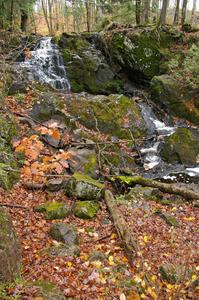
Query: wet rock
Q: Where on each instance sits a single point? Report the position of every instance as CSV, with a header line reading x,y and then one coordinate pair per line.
x,y
87,68
10,253
86,209
84,187
46,290
181,147
53,210
18,87
108,114
67,238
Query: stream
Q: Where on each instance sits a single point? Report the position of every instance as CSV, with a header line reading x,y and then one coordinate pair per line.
x,y
46,66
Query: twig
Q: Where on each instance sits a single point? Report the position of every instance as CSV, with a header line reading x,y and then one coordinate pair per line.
x,y
13,205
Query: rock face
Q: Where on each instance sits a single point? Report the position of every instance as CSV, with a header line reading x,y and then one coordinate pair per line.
x,y
86,209
109,112
138,51
84,187
87,68
53,210
181,147
10,254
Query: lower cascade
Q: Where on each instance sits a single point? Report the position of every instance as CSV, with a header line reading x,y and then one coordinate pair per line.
x,y
46,65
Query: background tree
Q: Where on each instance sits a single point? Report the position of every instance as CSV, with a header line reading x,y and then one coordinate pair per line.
x,y
184,11
138,12
193,11
163,13
177,12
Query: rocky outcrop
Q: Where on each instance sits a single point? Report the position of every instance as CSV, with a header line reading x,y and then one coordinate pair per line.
x,y
10,254
108,114
138,51
87,68
181,147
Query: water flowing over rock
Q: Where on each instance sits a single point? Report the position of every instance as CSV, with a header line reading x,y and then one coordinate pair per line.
x,y
46,65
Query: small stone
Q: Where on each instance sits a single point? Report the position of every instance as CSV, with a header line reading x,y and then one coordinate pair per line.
x,y
86,209
65,233
53,210
55,184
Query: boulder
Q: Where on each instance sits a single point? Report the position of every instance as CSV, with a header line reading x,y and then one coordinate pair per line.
x,y
53,210
86,209
10,253
45,290
138,51
84,187
108,113
66,235
87,68
181,147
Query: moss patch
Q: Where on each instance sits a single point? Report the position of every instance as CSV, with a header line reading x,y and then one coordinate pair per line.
x,y
53,210
86,209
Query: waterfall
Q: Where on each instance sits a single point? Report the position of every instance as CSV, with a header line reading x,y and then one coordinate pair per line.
x,y
46,65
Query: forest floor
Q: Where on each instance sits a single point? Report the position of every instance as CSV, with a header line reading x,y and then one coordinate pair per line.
x,y
112,277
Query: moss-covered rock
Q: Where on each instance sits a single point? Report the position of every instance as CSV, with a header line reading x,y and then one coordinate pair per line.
x,y
139,50
181,147
109,112
86,209
46,290
10,253
53,210
7,176
84,187
169,219
86,67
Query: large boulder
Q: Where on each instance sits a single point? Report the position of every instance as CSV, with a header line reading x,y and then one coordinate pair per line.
x,y
165,91
138,51
108,114
87,68
10,253
84,187
181,147
53,210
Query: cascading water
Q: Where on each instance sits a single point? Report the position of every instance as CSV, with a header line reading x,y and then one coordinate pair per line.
x,y
46,65
158,130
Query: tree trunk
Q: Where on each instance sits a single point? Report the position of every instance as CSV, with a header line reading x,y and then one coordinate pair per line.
x,y
45,12
11,15
163,13
137,11
177,11
87,15
146,11
193,11
165,187
24,20
184,11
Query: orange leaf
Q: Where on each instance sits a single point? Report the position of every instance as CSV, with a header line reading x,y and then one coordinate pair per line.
x,y
55,134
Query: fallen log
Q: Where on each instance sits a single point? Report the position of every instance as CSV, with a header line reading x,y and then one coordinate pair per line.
x,y
130,245
164,187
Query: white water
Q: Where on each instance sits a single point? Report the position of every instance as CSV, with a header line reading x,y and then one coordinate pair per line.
x,y
46,65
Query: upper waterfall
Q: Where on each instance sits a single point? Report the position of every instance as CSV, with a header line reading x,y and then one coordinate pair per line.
x,y
46,65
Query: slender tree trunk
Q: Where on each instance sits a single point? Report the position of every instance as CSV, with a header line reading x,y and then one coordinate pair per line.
x,y
45,12
146,11
138,11
11,15
87,5
50,16
163,13
177,11
193,11
24,20
184,11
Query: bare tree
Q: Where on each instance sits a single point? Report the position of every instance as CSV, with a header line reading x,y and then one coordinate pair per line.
x,y
177,11
184,11
138,11
146,11
193,11
163,13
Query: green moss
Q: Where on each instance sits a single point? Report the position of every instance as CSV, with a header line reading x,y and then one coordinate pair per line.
x,y
89,167
170,220
88,179
86,209
53,210
14,41
7,178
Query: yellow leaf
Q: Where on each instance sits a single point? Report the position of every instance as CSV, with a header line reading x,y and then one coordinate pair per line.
x,y
189,218
111,261
152,293
170,286
69,264
146,238
142,296
113,236
133,296
194,277
39,298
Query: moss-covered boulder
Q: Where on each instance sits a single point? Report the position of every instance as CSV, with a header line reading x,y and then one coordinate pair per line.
x,y
165,91
67,236
87,68
138,51
84,187
7,176
86,209
181,147
53,210
108,113
10,253
46,290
